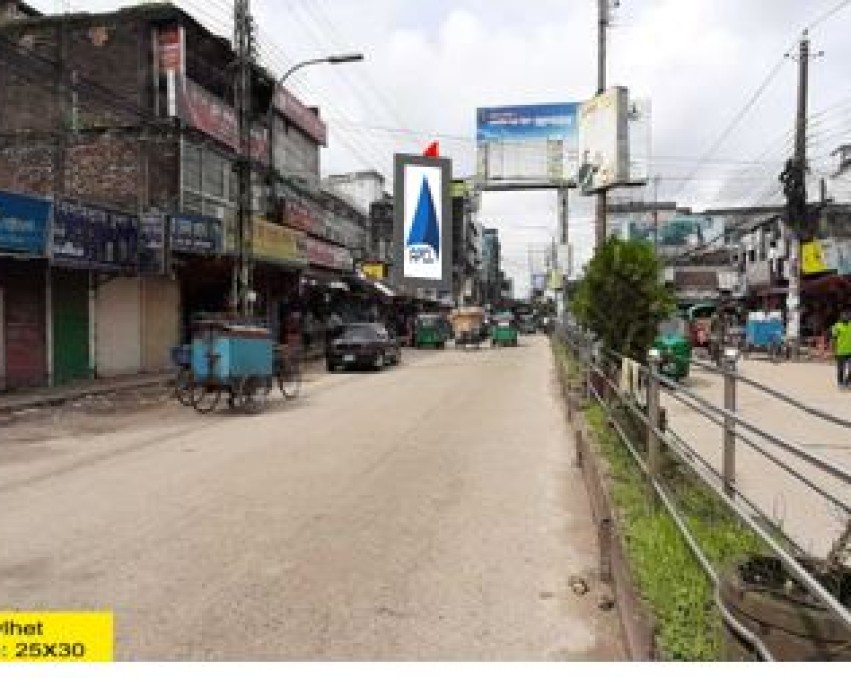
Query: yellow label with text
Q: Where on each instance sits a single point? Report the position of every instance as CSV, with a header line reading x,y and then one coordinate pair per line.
x,y
56,636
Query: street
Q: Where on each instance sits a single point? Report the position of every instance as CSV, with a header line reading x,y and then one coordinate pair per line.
x,y
806,517
427,512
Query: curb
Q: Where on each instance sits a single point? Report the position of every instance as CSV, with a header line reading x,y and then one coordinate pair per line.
x,y
54,399
635,617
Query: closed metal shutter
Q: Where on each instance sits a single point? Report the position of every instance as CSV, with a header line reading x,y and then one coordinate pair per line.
x,y
70,301
160,322
118,330
24,324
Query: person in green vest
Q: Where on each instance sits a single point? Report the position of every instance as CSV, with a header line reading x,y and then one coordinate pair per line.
x,y
841,332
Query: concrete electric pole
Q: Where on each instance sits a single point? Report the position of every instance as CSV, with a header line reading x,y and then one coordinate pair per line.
x,y
794,179
602,26
244,46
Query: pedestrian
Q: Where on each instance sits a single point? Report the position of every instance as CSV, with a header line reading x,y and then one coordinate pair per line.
x,y
841,333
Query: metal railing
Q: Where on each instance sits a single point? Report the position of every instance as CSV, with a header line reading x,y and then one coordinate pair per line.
x,y
601,370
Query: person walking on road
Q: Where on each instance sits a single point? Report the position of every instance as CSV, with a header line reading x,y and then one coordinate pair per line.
x,y
841,332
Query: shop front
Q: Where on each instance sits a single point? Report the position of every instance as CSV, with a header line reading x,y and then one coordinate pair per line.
x,y
24,228
95,285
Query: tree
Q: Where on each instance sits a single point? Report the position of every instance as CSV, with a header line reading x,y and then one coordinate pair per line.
x,y
622,299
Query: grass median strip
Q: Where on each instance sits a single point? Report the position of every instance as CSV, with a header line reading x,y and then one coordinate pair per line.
x,y
669,578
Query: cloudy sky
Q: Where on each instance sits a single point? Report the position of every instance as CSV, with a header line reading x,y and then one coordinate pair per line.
x,y
431,63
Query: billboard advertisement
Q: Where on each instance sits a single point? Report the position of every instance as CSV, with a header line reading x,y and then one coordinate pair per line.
x,y
527,142
603,141
24,223
423,221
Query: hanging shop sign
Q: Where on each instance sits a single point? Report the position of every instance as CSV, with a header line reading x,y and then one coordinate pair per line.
x,y
87,236
374,270
274,243
819,256
196,234
152,244
24,223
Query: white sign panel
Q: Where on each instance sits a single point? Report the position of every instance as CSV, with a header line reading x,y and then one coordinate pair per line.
x,y
603,141
422,230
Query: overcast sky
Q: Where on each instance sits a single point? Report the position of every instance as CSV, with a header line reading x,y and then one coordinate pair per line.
x,y
429,64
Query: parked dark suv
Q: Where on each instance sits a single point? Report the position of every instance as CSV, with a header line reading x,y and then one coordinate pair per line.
x,y
362,345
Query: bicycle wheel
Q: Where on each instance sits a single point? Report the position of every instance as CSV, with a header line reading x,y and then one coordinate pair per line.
x,y
205,399
183,386
254,393
289,379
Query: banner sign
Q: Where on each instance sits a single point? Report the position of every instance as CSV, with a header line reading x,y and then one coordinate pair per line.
x,y
527,142
324,254
603,141
819,256
197,234
85,236
205,111
24,223
306,119
152,244
374,270
423,221
277,244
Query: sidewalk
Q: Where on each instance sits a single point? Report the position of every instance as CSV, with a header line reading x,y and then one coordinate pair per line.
x,y
57,395
47,396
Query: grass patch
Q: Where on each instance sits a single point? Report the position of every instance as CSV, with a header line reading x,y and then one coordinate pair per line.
x,y
668,577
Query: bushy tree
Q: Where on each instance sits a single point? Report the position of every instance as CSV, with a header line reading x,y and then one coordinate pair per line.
x,y
622,298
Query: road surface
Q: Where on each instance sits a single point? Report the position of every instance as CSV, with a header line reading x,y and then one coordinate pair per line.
x,y
428,512
804,515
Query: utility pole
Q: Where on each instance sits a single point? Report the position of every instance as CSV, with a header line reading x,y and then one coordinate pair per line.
x,y
244,46
656,215
602,26
794,178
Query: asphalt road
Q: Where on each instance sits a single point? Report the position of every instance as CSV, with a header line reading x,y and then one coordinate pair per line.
x,y
427,512
810,519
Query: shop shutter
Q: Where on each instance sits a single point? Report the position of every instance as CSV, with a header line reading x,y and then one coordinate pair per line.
x,y
160,321
70,301
118,331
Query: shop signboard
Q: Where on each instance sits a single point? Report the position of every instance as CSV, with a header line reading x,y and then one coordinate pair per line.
x,y
196,234
205,111
152,244
24,223
423,222
274,243
843,257
324,254
374,270
306,119
819,256
86,236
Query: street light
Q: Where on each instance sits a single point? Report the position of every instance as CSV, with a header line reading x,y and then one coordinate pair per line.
x,y
334,60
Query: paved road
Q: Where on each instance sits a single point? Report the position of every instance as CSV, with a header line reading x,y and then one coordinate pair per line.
x,y
804,515
426,512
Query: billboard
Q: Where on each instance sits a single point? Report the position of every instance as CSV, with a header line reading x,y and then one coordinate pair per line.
x,y
423,221
603,141
527,142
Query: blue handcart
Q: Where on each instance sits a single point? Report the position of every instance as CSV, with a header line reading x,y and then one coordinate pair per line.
x,y
765,333
236,357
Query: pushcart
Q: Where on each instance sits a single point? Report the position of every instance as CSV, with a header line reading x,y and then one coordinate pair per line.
x,y
765,332
235,357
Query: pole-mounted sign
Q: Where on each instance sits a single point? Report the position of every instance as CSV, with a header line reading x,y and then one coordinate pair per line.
x,y
423,222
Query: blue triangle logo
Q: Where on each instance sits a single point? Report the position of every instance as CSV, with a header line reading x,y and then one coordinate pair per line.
x,y
425,229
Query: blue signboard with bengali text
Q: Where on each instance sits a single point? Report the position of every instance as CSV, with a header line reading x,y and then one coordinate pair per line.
x,y
197,234
85,236
538,121
24,223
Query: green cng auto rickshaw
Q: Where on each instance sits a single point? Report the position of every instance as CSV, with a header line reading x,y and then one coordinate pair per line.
x,y
503,330
674,348
430,329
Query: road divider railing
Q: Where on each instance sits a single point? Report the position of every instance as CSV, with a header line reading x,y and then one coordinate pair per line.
x,y
630,393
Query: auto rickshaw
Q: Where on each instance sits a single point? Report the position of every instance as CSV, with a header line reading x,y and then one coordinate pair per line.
x,y
504,330
430,329
467,325
674,348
